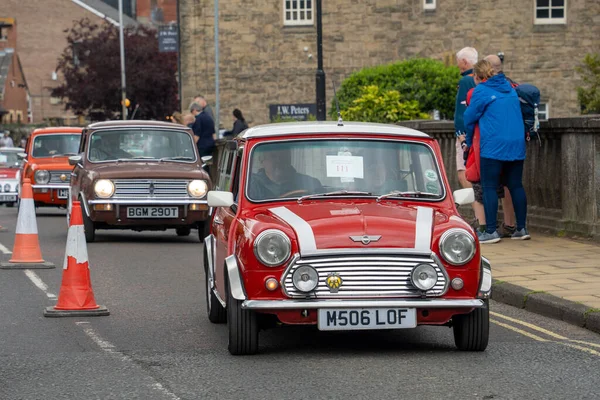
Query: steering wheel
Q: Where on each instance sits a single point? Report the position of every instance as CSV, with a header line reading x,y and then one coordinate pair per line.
x,y
291,192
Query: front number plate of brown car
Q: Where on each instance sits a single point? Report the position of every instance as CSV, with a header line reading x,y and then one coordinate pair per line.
x,y
152,212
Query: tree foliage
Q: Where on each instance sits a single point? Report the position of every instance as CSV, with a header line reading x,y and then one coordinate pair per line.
x,y
427,81
92,72
589,94
375,105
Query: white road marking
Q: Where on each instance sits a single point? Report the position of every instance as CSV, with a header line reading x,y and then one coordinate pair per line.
x,y
37,281
4,249
108,347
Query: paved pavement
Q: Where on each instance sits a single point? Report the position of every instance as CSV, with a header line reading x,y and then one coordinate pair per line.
x,y
158,344
548,268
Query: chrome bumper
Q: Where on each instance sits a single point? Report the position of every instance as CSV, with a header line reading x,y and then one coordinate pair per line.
x,y
52,186
312,304
148,201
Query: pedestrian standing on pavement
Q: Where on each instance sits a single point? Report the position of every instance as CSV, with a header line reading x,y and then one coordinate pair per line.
x,y
205,107
495,106
465,59
204,128
238,126
6,141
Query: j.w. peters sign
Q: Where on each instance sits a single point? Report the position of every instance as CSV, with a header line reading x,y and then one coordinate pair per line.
x,y
299,112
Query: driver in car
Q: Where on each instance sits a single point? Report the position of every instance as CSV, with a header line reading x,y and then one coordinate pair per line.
x,y
107,147
278,178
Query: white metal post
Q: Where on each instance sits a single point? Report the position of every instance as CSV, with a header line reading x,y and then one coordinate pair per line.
x,y
122,45
217,103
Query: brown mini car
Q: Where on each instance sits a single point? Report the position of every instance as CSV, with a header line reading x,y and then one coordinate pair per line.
x,y
140,175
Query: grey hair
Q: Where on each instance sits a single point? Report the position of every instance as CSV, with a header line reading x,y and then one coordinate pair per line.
x,y
195,107
468,54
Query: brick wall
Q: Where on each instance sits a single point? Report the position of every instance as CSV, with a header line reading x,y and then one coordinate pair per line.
x,y
262,61
41,40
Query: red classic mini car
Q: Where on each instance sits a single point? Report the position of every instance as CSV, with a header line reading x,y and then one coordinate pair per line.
x,y
345,226
47,164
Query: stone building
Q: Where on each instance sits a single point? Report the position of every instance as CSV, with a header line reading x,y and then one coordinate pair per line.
x,y
42,39
268,50
14,97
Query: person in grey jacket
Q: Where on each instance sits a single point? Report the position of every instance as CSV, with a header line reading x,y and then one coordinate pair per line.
x,y
205,107
238,126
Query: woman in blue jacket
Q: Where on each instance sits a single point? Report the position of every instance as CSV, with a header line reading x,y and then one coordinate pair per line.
x,y
495,106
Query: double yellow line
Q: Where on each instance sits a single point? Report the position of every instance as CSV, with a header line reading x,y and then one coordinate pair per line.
x,y
556,338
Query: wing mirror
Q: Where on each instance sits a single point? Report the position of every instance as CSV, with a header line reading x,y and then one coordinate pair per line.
x,y
463,197
206,160
218,198
21,156
74,160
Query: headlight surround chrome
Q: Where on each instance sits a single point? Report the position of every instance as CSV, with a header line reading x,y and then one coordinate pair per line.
x,y
197,188
305,278
272,247
104,188
41,176
7,187
457,246
424,277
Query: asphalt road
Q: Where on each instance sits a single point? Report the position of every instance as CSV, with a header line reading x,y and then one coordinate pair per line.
x,y
158,344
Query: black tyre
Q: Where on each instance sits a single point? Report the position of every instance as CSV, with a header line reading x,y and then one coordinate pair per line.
x,y
216,312
88,228
10,205
472,330
203,230
243,328
183,231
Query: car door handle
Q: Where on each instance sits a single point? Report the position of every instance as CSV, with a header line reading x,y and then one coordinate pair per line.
x,y
218,221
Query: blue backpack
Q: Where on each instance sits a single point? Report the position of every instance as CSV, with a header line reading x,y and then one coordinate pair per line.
x,y
529,96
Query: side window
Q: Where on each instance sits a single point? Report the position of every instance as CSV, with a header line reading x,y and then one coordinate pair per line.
x,y
235,184
225,170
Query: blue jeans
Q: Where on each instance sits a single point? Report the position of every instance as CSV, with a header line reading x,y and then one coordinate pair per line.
x,y
512,177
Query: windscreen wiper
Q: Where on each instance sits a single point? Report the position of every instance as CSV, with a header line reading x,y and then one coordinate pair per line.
x,y
183,158
335,193
415,194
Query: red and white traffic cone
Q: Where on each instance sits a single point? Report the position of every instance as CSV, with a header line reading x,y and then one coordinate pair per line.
x,y
76,297
26,252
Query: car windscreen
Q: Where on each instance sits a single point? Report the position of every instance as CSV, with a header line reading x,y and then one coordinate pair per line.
x,y
292,169
54,145
9,159
136,144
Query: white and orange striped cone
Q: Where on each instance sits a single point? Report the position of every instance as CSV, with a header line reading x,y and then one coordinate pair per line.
x,y
26,252
76,297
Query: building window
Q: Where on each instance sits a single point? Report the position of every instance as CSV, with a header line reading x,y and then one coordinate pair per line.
x,y
4,32
550,12
429,4
543,111
298,12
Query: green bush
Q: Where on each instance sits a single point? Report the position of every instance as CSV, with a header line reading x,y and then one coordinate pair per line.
x,y
589,94
427,81
375,105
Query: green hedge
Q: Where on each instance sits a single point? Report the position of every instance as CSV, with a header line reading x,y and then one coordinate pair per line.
x,y
427,81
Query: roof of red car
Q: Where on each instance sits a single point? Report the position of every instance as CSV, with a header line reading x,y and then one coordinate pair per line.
x,y
310,128
58,129
136,123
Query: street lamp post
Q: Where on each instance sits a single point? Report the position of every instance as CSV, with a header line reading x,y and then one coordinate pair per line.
x,y
320,77
217,99
122,45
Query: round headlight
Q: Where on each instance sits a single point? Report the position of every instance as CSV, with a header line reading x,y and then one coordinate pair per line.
x,y
272,247
424,277
457,246
7,187
104,188
197,188
305,278
41,176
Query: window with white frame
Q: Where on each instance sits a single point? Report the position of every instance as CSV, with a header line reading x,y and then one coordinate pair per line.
x,y
298,12
543,111
429,4
550,11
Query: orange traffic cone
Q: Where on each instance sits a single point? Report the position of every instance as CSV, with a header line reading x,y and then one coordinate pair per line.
x,y
26,251
76,297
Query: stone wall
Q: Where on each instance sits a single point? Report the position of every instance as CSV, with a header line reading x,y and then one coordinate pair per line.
x,y
262,61
561,176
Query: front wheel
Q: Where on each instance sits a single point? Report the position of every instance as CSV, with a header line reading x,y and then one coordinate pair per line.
x,y
10,205
216,313
243,328
472,330
88,228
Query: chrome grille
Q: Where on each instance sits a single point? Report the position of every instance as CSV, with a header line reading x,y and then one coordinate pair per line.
x,y
367,276
55,177
150,188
